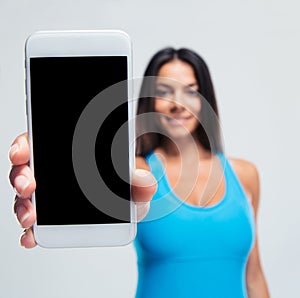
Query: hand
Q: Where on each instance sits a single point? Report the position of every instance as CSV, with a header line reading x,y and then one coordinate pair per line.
x,y
22,179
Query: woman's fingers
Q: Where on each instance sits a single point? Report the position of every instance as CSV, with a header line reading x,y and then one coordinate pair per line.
x,y
143,186
26,216
21,176
25,212
22,179
19,151
27,239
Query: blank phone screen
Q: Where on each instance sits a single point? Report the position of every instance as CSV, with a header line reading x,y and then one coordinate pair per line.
x,y
61,88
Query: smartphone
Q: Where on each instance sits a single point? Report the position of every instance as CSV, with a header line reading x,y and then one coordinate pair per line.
x,y
79,116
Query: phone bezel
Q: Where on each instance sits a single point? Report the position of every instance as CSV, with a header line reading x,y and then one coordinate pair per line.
x,y
72,44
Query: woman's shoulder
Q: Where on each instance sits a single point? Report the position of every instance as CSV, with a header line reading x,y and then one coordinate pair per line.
x,y
245,168
248,175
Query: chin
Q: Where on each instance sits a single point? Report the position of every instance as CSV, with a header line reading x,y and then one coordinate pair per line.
x,y
178,132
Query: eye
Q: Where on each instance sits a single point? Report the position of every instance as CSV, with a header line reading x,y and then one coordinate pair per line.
x,y
162,93
193,92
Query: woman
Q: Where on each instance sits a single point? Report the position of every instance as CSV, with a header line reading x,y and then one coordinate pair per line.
x,y
198,238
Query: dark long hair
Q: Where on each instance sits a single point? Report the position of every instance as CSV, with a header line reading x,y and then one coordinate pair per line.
x,y
148,141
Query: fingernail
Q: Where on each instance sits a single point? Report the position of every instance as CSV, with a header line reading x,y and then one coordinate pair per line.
x,y
17,193
24,217
13,150
20,210
21,183
148,179
141,173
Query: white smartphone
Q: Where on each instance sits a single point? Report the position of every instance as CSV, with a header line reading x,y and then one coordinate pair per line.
x,y
81,137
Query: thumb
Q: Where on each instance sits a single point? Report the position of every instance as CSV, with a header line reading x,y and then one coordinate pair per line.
x,y
143,186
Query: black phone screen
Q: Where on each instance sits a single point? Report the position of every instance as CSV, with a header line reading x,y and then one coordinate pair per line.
x,y
61,88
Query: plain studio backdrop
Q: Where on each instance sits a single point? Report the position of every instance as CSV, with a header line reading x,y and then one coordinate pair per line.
x,y
252,50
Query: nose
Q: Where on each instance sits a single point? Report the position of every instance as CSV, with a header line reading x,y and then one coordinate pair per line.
x,y
177,102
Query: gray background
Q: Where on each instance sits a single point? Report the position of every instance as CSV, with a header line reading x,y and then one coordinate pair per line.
x,y
252,50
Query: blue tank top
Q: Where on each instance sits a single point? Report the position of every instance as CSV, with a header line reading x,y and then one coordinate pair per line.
x,y
188,251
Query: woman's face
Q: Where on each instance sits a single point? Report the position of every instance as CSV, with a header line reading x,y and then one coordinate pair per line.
x,y
177,99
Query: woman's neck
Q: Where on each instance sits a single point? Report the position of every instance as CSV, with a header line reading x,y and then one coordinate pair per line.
x,y
185,148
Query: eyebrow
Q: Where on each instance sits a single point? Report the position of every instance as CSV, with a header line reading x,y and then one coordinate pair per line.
x,y
164,85
170,87
192,85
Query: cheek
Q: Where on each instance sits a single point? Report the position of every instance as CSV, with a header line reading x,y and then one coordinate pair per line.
x,y
194,106
160,105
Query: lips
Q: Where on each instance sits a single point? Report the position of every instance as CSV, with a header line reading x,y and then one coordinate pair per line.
x,y
178,121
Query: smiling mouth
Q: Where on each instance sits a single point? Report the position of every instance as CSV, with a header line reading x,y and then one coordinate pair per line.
x,y
178,121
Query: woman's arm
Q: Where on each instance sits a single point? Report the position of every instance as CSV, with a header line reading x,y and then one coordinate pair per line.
x,y
256,283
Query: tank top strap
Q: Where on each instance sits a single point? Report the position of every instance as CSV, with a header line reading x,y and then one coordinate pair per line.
x,y
233,182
